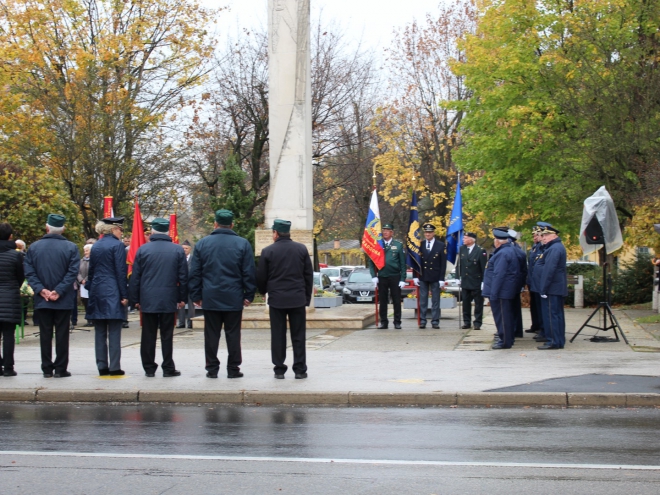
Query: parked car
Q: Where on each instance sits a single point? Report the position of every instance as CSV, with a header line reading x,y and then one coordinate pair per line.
x,y
322,281
338,276
452,283
358,287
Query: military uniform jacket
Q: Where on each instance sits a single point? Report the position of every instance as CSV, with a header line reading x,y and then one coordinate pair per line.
x,y
550,270
395,262
522,260
472,267
534,253
502,274
434,262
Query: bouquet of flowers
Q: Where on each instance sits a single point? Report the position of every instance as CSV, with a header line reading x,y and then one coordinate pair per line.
x,y
26,290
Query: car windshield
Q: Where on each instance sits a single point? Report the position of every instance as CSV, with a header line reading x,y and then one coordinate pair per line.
x,y
330,272
359,277
317,279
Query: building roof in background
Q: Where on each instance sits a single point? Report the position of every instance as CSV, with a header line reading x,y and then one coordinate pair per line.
x,y
345,244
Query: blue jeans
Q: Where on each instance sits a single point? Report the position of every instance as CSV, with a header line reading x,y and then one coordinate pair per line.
x,y
424,302
107,340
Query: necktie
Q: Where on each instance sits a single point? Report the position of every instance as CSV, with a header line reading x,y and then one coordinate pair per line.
x,y
428,245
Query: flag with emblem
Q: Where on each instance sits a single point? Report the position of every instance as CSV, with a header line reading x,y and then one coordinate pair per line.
x,y
455,229
372,239
414,237
137,237
174,230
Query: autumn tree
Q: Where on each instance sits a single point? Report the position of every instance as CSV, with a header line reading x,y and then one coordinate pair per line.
x,y
418,133
566,98
88,86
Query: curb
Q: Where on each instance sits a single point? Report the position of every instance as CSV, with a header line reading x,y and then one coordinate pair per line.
x,y
271,398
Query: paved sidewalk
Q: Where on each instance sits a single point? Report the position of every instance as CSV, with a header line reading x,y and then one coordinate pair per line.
x,y
366,367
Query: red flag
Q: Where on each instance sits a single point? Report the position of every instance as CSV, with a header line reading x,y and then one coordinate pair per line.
x,y
372,237
137,237
174,231
107,207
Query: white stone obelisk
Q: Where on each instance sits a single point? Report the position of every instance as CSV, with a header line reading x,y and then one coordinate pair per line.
x,y
290,116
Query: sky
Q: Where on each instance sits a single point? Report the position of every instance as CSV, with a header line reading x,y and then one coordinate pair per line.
x,y
368,21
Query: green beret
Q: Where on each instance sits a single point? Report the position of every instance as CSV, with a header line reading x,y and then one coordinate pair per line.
x,y
55,220
388,226
160,225
282,226
224,217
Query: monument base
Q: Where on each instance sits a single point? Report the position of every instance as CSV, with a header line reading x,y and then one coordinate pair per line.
x,y
264,238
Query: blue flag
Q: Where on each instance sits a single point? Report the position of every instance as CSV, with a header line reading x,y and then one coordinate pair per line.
x,y
414,238
455,229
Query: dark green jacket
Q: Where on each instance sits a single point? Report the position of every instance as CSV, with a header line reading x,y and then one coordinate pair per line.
x,y
472,267
395,262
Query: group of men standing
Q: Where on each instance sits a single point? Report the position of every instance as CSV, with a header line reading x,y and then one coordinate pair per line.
x,y
221,277
501,279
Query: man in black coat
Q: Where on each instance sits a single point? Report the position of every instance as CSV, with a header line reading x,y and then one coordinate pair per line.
x,y
51,267
187,313
285,273
158,286
222,280
432,276
471,268
11,307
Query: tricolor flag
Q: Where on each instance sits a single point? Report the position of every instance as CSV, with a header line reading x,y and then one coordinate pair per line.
x,y
455,229
372,239
137,237
174,231
414,238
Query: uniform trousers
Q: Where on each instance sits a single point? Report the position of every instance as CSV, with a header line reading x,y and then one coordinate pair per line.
x,y
535,311
554,324
424,288
150,324
58,319
517,308
213,322
387,286
470,295
7,332
298,327
505,320
107,344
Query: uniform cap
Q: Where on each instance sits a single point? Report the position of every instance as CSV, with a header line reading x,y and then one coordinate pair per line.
x,y
428,227
224,217
388,226
281,226
513,235
114,220
471,234
501,234
549,230
160,224
55,220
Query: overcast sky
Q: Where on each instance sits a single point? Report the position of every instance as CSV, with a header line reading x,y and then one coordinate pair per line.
x,y
369,20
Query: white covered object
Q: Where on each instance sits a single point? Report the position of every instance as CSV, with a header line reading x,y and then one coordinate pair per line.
x,y
602,206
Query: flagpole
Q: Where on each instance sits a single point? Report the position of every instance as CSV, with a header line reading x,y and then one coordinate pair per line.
x,y
458,271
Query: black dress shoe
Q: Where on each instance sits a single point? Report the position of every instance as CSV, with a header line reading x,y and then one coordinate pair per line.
x,y
500,345
235,374
9,373
397,326
465,327
477,328
300,376
279,377
150,375
382,326
181,325
124,325
547,347
422,327
190,324
529,330
436,326
104,372
62,374
169,374
48,374
211,375
117,373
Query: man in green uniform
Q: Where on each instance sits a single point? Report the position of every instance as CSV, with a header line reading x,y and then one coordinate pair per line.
x,y
472,266
391,278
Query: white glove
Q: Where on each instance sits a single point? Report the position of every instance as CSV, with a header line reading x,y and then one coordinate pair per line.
x,y
402,285
482,286
544,296
375,280
416,281
441,283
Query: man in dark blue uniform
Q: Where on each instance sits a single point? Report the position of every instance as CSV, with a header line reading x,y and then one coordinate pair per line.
x,y
534,296
501,286
553,288
158,286
222,281
522,259
286,274
51,268
432,276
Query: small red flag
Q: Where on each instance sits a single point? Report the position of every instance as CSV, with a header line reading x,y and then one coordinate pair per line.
x,y
174,231
137,237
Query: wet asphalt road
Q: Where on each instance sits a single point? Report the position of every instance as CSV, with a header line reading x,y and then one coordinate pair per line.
x,y
289,450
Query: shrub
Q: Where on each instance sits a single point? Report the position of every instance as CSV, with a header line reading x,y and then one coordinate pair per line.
x,y
632,283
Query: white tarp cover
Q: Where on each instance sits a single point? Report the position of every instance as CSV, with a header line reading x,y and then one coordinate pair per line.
x,y
601,205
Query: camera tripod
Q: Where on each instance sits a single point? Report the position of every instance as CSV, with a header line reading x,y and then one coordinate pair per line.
x,y
607,313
